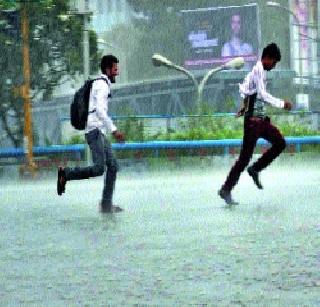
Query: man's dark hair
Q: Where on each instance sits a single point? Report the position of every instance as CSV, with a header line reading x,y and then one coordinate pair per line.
x,y
272,51
107,61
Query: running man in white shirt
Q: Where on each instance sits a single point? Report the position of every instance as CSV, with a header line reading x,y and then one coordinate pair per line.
x,y
98,124
256,124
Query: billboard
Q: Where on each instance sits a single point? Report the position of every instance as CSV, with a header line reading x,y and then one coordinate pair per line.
x,y
215,35
304,39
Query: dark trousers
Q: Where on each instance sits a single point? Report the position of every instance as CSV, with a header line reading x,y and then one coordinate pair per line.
x,y
255,128
102,158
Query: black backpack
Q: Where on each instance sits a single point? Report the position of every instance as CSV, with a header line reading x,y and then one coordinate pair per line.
x,y
80,104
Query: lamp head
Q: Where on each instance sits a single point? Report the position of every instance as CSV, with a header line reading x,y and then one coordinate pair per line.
x,y
159,60
272,3
236,63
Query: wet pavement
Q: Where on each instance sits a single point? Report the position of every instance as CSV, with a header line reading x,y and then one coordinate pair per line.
x,y
175,244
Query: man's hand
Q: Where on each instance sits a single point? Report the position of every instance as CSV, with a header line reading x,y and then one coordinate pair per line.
x,y
240,112
287,105
118,136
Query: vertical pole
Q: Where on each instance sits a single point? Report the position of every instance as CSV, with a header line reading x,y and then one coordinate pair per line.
x,y
300,42
86,66
301,97
86,57
28,140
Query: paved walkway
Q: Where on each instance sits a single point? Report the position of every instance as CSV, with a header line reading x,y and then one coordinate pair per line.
x,y
176,243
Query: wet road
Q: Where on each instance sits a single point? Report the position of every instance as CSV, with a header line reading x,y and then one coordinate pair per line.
x,y
175,244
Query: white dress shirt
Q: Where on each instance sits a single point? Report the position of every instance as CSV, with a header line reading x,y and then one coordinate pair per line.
x,y
255,82
98,107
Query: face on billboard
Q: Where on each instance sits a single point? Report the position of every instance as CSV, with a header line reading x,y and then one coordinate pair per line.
x,y
235,23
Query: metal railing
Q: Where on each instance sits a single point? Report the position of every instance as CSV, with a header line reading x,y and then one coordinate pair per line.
x,y
226,144
167,116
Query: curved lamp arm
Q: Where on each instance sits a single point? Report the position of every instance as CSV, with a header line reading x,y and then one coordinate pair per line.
x,y
159,60
235,63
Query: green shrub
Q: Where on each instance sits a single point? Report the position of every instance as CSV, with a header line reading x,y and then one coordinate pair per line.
x,y
76,139
202,127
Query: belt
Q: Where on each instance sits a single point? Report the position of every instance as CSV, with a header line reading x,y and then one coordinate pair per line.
x,y
259,118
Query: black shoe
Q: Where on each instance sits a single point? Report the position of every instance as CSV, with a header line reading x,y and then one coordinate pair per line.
x,y
226,196
116,209
110,209
255,176
61,182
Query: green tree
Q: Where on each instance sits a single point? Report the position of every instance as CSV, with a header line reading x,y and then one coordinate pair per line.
x,y
55,42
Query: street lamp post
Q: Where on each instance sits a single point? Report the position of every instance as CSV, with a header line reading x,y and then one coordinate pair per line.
x,y
300,96
84,11
86,46
159,60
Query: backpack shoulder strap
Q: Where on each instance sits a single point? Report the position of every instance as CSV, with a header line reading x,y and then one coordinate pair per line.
x,y
100,78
